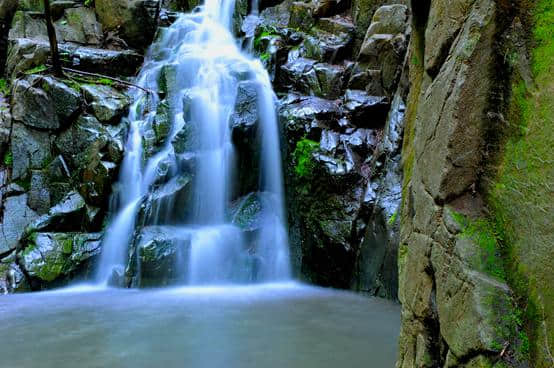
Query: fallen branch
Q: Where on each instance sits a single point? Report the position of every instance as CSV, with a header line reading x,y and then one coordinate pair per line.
x,y
129,84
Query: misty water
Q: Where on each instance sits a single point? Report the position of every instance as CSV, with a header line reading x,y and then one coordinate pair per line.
x,y
199,66
272,325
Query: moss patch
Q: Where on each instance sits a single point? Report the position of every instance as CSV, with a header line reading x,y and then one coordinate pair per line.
x,y
303,156
521,195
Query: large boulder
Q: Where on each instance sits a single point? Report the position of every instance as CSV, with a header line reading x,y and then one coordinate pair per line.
x,y
80,25
135,20
58,257
162,253
25,54
44,103
107,104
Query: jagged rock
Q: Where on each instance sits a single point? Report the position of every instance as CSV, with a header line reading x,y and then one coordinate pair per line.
x,y
58,7
170,199
299,74
39,195
70,214
33,107
17,215
107,104
303,115
44,102
31,149
301,15
161,250
53,256
135,20
336,25
365,110
244,121
385,43
79,25
326,47
28,25
246,136
331,79
82,142
377,262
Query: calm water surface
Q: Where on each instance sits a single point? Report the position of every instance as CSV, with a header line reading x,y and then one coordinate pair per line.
x,y
279,325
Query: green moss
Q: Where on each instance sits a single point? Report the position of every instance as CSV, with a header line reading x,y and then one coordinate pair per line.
x,y
521,194
89,3
484,233
24,183
303,156
4,87
265,32
392,219
8,159
37,69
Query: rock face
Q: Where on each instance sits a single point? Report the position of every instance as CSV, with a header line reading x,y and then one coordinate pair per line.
x,y
56,179
342,138
458,284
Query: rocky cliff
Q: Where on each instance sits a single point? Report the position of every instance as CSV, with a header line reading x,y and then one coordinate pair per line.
x,y
474,285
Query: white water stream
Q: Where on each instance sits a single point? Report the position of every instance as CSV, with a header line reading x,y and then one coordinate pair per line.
x,y
199,62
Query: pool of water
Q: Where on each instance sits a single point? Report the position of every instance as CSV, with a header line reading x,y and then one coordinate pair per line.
x,y
275,325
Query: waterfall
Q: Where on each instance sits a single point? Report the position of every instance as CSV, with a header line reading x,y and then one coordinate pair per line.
x,y
197,63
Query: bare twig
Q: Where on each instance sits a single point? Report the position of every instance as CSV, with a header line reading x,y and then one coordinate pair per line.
x,y
96,75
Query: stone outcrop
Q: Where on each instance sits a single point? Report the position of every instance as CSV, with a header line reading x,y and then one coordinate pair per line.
x,y
57,175
342,136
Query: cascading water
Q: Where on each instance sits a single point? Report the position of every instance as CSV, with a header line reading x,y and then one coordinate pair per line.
x,y
197,63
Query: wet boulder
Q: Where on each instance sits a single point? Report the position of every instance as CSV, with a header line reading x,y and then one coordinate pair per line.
x,y
83,141
53,257
44,102
29,25
70,214
308,115
25,54
162,252
365,110
171,200
33,107
108,104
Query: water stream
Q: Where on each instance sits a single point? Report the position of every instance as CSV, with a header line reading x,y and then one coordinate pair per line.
x,y
199,67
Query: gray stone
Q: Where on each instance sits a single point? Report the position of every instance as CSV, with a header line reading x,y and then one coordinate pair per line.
x,y
80,26
33,107
52,256
365,110
108,104
31,149
17,215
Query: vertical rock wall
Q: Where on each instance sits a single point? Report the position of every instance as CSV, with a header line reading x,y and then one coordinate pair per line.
x,y
461,303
